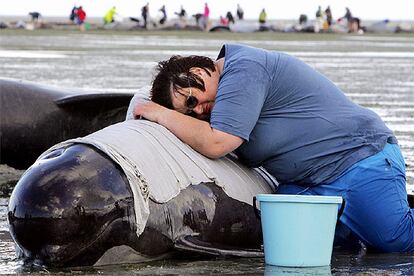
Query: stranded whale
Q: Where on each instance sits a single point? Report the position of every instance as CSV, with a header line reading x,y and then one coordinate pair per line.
x,y
133,192
34,117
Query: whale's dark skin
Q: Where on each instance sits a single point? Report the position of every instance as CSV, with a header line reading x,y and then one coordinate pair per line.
x,y
35,117
74,204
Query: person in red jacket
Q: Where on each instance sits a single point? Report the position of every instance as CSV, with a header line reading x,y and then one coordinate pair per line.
x,y
80,16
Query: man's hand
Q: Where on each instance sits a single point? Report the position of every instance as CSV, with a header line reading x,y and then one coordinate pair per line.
x,y
149,110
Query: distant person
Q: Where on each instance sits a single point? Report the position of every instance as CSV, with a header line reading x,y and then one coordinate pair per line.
x,y
348,14
35,16
206,16
224,21
354,23
80,16
164,15
303,19
73,14
144,14
328,14
182,13
34,19
240,12
198,18
109,16
319,13
230,17
263,17
303,25
319,22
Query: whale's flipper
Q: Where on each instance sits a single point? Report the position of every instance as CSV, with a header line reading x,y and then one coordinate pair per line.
x,y
192,243
121,99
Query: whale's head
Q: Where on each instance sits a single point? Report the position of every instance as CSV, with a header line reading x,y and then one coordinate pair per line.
x,y
71,206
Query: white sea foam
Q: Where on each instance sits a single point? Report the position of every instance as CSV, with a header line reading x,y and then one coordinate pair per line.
x,y
30,54
380,38
355,54
365,54
406,143
401,127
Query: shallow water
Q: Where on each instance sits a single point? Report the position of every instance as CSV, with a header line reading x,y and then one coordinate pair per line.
x,y
375,71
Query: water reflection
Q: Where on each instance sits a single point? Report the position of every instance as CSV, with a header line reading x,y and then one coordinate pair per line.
x,y
271,270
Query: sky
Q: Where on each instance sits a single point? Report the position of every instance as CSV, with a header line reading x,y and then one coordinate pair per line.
x,y
276,9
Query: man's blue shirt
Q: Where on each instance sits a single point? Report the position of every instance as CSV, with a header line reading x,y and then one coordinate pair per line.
x,y
294,121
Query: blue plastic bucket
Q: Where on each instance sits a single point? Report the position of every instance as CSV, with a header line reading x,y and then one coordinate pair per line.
x,y
298,230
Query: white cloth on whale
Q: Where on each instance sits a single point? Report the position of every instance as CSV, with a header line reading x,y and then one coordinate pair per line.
x,y
158,165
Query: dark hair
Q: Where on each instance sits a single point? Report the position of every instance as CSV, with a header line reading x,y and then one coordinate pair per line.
x,y
175,73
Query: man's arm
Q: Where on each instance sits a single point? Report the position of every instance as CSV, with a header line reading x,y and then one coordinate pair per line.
x,y
198,134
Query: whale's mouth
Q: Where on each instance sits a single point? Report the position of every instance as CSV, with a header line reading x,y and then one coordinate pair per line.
x,y
82,246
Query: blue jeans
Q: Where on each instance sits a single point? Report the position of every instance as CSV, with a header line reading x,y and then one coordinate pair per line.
x,y
376,208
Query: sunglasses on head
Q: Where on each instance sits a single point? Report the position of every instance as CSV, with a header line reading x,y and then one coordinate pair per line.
x,y
191,101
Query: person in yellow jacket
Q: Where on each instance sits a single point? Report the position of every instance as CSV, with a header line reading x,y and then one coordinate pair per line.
x,y
262,17
109,16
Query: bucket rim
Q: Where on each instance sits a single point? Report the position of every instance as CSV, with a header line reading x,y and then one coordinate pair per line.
x,y
298,198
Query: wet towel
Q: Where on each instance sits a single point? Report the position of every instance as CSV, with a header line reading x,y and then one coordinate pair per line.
x,y
158,165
